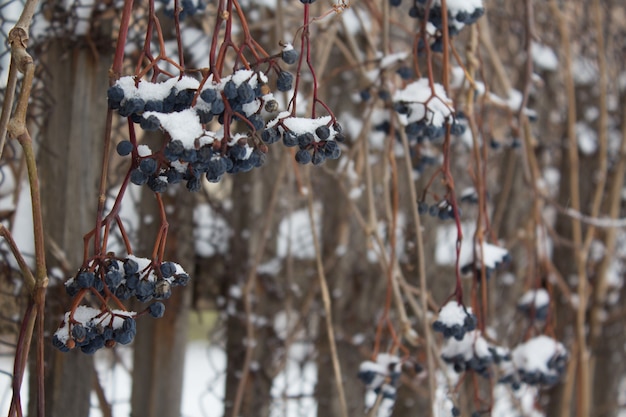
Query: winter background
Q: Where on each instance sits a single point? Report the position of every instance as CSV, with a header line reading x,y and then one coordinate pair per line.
x,y
293,388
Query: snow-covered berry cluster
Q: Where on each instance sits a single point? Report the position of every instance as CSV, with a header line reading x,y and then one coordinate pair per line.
x,y
473,353
455,320
469,195
382,377
443,210
129,277
460,13
316,139
119,280
424,111
92,329
472,261
183,108
535,303
539,361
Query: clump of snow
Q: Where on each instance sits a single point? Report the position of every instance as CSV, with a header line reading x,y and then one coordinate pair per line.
x,y
424,103
453,313
539,298
587,138
184,126
544,57
540,360
90,317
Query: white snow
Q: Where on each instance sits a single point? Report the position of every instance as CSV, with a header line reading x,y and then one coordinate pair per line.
x,y
453,314
535,354
211,231
433,106
301,125
389,60
88,315
587,138
463,347
295,237
455,6
544,57
184,126
445,251
538,297
585,71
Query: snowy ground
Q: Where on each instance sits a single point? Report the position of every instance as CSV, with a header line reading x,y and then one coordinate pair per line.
x,y
203,386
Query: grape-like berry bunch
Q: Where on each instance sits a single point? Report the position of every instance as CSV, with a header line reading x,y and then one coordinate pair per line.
x,y
111,281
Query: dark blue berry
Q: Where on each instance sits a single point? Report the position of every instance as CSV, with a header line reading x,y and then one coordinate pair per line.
x,y
167,269
57,343
230,90
157,309
318,158
305,140
289,56
303,156
154,105
130,266
217,106
270,135
157,185
174,149
245,93
138,177
257,121
406,73
181,279
237,152
85,279
150,123
79,332
209,95
130,106
322,132
124,148
148,166
290,139
284,81
115,95
194,184
113,279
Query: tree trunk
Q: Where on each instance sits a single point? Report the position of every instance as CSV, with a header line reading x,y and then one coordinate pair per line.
x,y
70,162
159,347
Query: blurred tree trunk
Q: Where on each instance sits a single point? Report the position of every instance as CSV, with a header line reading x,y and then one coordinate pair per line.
x,y
250,196
70,163
160,344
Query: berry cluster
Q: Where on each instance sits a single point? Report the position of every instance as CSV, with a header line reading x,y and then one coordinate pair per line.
x,y
494,257
420,131
382,376
442,210
473,353
535,304
455,320
539,361
460,14
183,108
469,195
118,280
424,111
316,139
92,329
